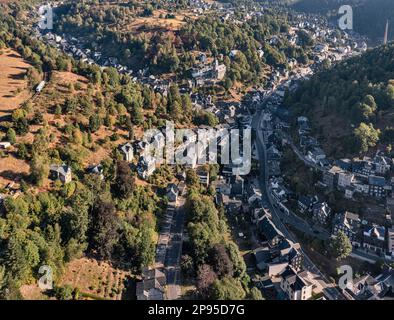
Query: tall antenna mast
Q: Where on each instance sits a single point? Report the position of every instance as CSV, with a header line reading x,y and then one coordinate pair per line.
x,y
386,33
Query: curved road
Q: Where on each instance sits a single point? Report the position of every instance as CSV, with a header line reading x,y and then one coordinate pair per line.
x,y
277,216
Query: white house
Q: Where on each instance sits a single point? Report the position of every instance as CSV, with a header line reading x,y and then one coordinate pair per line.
x,y
295,285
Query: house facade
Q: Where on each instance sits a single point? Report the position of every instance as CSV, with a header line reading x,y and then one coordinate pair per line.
x,y
295,285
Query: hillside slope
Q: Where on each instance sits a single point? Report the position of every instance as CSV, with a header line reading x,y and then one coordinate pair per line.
x,y
353,93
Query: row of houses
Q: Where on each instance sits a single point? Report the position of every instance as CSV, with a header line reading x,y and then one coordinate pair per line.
x,y
309,145
372,238
366,176
280,258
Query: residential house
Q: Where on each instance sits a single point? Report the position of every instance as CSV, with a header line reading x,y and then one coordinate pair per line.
x,y
360,184
374,239
307,142
349,192
305,203
146,167
222,186
363,167
273,153
295,284
262,257
98,170
345,179
330,177
237,186
344,164
382,164
152,286
127,152
280,193
368,288
274,260
203,175
364,288
376,186
231,205
321,212
270,234
350,224
172,192
60,172
316,155
220,71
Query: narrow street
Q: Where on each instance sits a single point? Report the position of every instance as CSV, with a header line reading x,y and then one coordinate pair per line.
x,y
277,216
169,246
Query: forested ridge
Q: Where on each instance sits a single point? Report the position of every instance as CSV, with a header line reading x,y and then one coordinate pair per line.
x,y
355,96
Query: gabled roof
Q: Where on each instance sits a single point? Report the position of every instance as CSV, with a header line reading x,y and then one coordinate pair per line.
x,y
127,147
268,229
322,207
306,201
61,169
295,281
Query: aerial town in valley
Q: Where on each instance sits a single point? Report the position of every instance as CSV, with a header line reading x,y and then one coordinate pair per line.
x,y
81,190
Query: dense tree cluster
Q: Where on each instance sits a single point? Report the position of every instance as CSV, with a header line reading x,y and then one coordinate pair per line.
x,y
218,265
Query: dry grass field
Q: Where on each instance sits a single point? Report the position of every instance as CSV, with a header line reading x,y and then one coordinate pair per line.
x,y
95,278
158,21
95,281
13,85
13,92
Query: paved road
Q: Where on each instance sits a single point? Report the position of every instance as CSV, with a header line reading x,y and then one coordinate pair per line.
x,y
331,292
174,251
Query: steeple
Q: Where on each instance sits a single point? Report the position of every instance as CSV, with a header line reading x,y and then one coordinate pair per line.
x,y
386,33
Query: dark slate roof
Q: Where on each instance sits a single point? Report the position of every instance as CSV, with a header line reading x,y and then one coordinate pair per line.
x,y
268,229
376,181
293,253
60,169
262,255
295,281
306,201
344,164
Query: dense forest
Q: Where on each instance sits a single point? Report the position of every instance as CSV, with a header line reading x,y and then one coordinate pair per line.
x,y
356,97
